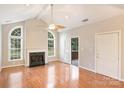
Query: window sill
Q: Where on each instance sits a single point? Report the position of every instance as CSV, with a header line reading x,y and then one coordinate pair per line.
x,y
51,56
15,60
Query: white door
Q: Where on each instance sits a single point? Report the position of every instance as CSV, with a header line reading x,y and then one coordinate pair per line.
x,y
107,54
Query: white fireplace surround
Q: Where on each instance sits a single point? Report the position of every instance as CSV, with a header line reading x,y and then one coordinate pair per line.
x,y
30,51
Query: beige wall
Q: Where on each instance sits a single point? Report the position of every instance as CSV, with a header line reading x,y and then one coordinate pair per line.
x,y
5,32
87,41
36,35
35,38
0,46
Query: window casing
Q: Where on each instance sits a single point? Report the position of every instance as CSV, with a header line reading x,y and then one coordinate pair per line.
x,y
16,44
51,44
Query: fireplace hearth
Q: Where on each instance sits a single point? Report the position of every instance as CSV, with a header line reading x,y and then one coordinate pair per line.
x,y
36,59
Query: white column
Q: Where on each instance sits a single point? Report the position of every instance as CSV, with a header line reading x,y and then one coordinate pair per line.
x,y
0,46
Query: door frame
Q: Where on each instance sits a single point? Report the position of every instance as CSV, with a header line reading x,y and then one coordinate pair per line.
x,y
119,54
78,50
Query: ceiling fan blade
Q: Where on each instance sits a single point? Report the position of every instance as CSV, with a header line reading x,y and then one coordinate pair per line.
x,y
56,29
60,26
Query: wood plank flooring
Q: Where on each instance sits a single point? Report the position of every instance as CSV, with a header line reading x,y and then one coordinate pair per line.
x,y
54,75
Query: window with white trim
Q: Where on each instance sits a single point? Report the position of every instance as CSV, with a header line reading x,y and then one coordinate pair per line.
x,y
16,44
51,44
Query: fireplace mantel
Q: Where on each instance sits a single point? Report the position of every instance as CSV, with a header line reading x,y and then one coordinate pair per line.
x,y
30,51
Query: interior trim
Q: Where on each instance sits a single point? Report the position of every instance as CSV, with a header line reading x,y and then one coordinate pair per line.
x,y
78,49
88,69
12,66
119,60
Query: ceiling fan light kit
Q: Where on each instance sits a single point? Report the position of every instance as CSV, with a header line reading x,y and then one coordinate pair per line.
x,y
51,26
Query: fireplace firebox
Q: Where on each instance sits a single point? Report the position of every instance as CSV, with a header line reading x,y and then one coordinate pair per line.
x,y
36,59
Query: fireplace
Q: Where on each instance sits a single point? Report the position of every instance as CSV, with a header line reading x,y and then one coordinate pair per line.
x,y
36,59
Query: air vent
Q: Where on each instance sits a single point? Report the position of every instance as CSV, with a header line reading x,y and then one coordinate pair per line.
x,y
85,20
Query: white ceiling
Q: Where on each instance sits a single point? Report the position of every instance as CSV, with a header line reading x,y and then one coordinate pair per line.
x,y
10,13
68,15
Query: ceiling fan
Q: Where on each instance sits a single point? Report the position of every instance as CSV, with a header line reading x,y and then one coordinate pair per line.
x,y
52,26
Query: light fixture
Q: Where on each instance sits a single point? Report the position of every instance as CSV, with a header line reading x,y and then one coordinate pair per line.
x,y
66,17
52,26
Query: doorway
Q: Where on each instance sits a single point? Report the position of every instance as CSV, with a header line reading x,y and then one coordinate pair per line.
x,y
108,54
75,51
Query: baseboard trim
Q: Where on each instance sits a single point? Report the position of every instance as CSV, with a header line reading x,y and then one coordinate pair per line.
x,y
101,74
88,69
60,60
12,66
53,60
121,80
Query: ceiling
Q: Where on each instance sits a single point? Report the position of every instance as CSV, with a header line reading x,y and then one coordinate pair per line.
x,y
10,13
69,15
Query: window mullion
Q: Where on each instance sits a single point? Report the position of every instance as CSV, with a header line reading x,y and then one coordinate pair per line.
x,y
51,44
15,46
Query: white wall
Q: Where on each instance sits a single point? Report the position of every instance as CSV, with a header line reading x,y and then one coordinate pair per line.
x,y
87,41
0,46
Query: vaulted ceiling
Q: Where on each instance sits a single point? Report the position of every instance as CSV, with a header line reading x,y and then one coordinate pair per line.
x,y
69,15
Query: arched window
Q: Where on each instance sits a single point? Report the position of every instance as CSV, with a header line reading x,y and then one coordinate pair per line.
x,y
16,44
51,44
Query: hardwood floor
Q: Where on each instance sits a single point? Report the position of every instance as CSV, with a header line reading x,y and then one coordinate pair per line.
x,y
54,74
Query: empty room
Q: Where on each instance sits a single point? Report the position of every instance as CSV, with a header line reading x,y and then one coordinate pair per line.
x,y
61,46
